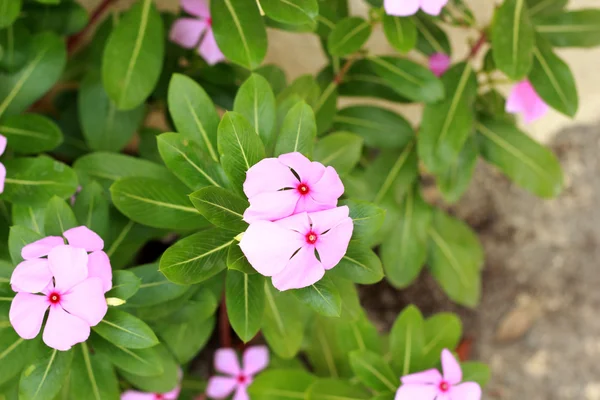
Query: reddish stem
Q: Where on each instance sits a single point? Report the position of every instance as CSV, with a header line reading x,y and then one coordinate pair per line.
x,y
224,327
478,45
339,78
74,40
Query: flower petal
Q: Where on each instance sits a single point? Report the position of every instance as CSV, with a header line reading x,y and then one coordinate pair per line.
x,y
2,177
451,368
241,393
301,271
268,175
135,395
256,358
84,238
308,171
298,223
27,314
99,267
271,206
328,188
199,8
68,265
466,391
416,392
64,330
42,247
209,49
431,376
2,144
269,247
173,394
439,63
334,244
401,8
323,221
86,301
220,387
433,7
186,32
226,362
31,276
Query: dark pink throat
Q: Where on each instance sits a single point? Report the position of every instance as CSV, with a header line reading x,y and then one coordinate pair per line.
x,y
303,189
209,21
242,379
54,298
444,386
311,237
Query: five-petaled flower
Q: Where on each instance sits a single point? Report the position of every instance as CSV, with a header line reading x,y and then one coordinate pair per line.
x,y
285,249
290,184
439,63
187,32
70,282
524,99
255,359
135,395
2,169
431,385
404,8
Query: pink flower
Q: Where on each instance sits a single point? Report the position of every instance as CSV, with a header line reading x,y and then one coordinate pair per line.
x,y
404,8
430,384
2,169
187,32
70,282
135,395
290,184
285,249
255,359
524,99
439,64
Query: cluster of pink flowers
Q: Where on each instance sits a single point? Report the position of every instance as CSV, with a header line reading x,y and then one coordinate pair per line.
x,y
2,169
65,279
293,216
404,8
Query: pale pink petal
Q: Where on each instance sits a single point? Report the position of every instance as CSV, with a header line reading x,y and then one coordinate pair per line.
x,y
416,392
241,393
334,244
173,394
99,266
433,7
226,362
302,270
220,387
271,206
439,63
297,223
2,144
64,330
268,175
323,221
307,203
431,376
68,265
199,8
451,368
401,8
466,391
84,238
186,32
269,247
209,49
31,276
27,314
135,395
41,248
308,171
86,301
328,188
536,110
256,358
515,103
2,177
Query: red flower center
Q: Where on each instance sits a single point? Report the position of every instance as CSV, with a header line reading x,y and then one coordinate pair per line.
x,y
311,237
444,386
242,379
158,396
209,21
54,297
303,188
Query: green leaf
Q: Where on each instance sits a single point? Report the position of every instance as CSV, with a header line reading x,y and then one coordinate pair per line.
x,y
454,181
305,88
341,150
553,80
361,81
104,127
579,28
367,218
29,217
409,79
331,389
32,181
31,133
348,36
168,308
189,161
431,38
373,371
545,7
281,385
326,106
294,12
360,265
442,331
125,330
378,127
65,18
455,259
133,56
143,362
148,148
58,217
18,238
236,260
197,257
447,124
400,32
323,350
476,372
245,299
239,146
194,113
43,378
528,163
274,75
283,322
298,131
125,285
407,341
92,376
91,208
221,207
513,39
10,12
15,42
239,31
256,102
360,334
323,297
46,62
162,383
156,203
155,288
404,250
16,353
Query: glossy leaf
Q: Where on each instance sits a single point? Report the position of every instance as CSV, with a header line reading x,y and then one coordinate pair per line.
x,y
298,131
274,75
476,372
155,288
256,102
18,237
341,150
579,28
431,38
162,383
125,330
143,362
361,81
236,260
10,12
66,18
91,208
295,12
92,376
326,106
442,331
43,378
373,371
328,389
31,133
407,341
221,207
16,353
15,42
281,385
348,36
544,7
125,285
367,218
322,297
58,217
400,32
245,299
31,217
454,181
360,264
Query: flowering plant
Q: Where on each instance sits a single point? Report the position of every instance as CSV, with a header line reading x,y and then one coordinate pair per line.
x,y
255,206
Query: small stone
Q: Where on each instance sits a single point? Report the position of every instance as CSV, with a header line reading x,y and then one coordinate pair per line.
x,y
517,322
